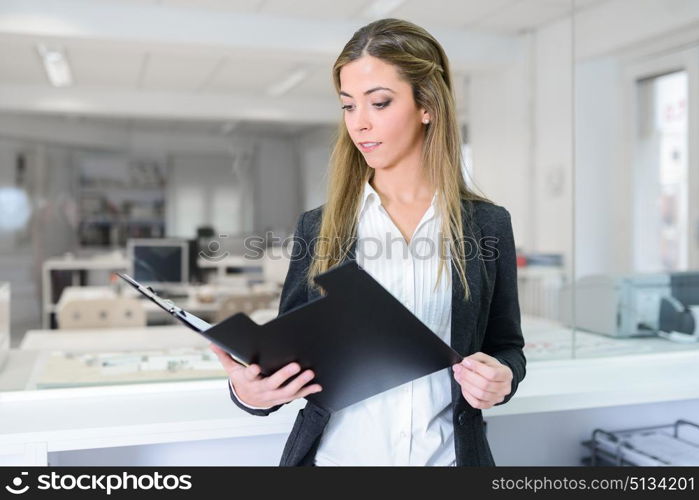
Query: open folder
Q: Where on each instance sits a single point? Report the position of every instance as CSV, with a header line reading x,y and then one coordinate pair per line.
x,y
358,339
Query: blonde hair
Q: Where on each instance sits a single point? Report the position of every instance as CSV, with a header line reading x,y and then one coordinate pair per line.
x,y
421,61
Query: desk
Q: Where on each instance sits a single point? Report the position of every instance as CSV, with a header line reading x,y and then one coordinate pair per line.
x,y
75,358
190,303
548,340
220,266
112,339
109,262
115,261
207,309
86,293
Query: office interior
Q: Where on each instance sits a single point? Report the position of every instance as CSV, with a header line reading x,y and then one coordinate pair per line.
x,y
178,141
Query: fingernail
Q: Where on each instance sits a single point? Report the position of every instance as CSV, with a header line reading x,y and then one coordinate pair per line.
x,y
467,363
457,368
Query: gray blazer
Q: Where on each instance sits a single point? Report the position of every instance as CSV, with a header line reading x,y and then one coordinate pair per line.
x,y
489,322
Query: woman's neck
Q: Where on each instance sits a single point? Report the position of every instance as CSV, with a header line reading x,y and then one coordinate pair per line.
x,y
405,184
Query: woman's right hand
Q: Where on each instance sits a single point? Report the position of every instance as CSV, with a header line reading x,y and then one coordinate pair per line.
x,y
265,392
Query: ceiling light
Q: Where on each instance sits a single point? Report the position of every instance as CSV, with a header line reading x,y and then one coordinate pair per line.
x,y
56,66
288,83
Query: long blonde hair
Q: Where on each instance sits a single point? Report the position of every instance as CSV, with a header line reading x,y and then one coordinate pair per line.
x,y
421,61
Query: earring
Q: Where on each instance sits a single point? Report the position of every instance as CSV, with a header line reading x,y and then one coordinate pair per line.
x,y
425,121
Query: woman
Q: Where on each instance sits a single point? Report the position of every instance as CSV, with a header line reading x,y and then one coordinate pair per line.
x,y
398,204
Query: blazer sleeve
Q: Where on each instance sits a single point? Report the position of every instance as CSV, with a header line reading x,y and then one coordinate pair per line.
x,y
503,334
294,293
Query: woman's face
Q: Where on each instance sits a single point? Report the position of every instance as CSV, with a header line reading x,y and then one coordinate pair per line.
x,y
380,113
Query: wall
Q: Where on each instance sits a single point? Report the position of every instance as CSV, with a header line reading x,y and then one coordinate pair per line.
x,y
521,138
202,190
654,36
314,153
499,135
523,141
277,186
553,151
599,170
554,438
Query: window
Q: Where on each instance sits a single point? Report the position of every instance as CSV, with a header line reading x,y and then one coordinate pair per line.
x,y
661,227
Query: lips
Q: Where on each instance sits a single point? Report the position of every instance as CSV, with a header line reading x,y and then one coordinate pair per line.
x,y
368,146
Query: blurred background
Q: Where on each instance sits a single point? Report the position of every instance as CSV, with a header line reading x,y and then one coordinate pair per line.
x,y
156,137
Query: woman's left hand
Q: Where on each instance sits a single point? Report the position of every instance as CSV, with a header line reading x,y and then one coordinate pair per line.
x,y
483,379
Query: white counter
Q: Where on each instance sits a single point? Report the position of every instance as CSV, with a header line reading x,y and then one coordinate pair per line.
x,y
100,417
610,381
35,423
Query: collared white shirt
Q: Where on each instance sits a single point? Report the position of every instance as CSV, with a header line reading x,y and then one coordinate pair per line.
x,y
410,424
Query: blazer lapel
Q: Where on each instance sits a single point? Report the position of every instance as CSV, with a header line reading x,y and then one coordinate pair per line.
x,y
464,315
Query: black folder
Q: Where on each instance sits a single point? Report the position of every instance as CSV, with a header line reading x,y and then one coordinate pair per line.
x,y
358,339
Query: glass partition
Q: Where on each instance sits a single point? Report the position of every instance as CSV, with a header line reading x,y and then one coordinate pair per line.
x,y
521,138
636,177
215,159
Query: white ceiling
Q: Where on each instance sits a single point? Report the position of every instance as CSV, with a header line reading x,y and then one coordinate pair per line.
x,y
215,59
196,127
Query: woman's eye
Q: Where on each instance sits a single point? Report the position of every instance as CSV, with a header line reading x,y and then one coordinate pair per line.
x,y
377,105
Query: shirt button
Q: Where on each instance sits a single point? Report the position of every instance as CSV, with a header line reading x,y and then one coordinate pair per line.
x,y
402,434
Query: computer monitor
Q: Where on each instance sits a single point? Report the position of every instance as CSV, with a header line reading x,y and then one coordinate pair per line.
x,y
157,261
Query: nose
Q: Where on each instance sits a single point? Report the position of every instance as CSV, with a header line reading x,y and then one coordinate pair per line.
x,y
362,121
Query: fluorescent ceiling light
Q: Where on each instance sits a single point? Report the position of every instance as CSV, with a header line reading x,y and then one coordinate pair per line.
x,y
288,83
56,66
380,8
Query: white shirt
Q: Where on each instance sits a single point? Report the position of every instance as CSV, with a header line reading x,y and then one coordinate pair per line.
x,y
410,424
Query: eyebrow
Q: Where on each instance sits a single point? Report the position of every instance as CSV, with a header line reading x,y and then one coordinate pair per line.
x,y
368,91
